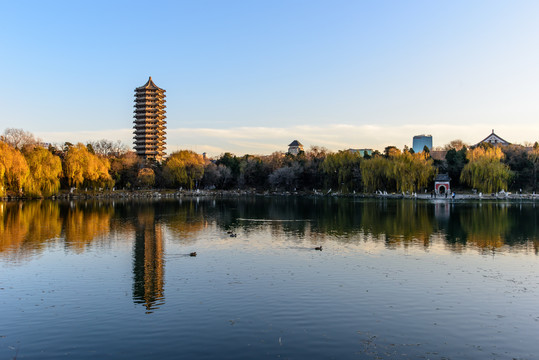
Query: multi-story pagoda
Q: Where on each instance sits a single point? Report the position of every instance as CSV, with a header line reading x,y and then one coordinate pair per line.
x,y
150,121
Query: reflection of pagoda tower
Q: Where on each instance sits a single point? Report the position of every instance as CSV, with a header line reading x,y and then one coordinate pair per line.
x,y
150,121
148,267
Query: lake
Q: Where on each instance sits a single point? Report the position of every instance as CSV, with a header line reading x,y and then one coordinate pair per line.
x,y
396,279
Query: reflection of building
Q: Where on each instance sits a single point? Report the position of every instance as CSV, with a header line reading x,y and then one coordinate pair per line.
x,y
420,141
295,147
150,121
148,267
442,210
494,140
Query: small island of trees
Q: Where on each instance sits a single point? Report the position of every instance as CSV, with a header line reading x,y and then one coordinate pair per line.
x,y
29,169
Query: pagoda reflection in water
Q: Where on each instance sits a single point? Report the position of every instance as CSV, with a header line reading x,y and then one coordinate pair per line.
x,y
148,264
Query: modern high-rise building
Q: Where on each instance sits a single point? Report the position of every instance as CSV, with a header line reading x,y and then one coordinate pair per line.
x,y
150,121
420,141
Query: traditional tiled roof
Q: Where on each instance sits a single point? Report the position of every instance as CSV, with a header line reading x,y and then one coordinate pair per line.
x,y
442,177
149,85
497,139
295,143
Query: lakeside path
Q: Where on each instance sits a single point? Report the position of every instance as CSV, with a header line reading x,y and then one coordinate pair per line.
x,y
156,194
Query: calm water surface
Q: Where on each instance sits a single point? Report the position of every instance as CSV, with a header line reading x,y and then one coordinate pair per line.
x,y
395,280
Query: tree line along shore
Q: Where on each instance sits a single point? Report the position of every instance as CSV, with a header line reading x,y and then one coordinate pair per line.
x,y
28,169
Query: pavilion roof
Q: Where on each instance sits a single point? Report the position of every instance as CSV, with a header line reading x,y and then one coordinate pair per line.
x,y
149,85
295,143
442,177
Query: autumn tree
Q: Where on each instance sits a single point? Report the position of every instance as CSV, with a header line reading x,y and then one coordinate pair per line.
x,y
124,169
485,171
146,177
80,165
411,172
184,168
13,168
374,173
45,171
343,170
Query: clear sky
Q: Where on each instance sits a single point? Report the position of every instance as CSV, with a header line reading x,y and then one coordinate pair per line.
x,y
251,76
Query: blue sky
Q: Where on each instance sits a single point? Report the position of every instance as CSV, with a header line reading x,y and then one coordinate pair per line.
x,y
251,76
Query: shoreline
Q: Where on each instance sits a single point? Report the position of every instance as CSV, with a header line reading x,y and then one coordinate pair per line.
x,y
158,194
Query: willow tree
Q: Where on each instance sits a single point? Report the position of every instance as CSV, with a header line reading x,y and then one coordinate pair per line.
x,y
2,185
342,169
97,172
411,172
80,165
374,173
75,162
45,171
485,171
14,168
184,168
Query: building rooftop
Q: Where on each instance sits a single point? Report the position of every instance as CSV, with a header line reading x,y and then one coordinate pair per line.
x,y
149,85
494,139
295,143
442,177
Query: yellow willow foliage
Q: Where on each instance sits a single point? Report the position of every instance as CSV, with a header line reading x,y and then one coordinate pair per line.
x,y
2,185
494,153
45,171
15,168
80,165
184,168
100,175
485,171
340,168
374,173
409,172
75,163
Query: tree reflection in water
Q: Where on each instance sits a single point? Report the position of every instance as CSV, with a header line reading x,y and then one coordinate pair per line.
x,y
27,227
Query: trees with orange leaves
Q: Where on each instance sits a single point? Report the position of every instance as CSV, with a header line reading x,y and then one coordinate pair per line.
x,y
81,166
14,170
45,171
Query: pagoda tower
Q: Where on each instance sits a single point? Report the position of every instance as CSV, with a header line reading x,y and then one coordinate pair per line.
x,y
150,121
